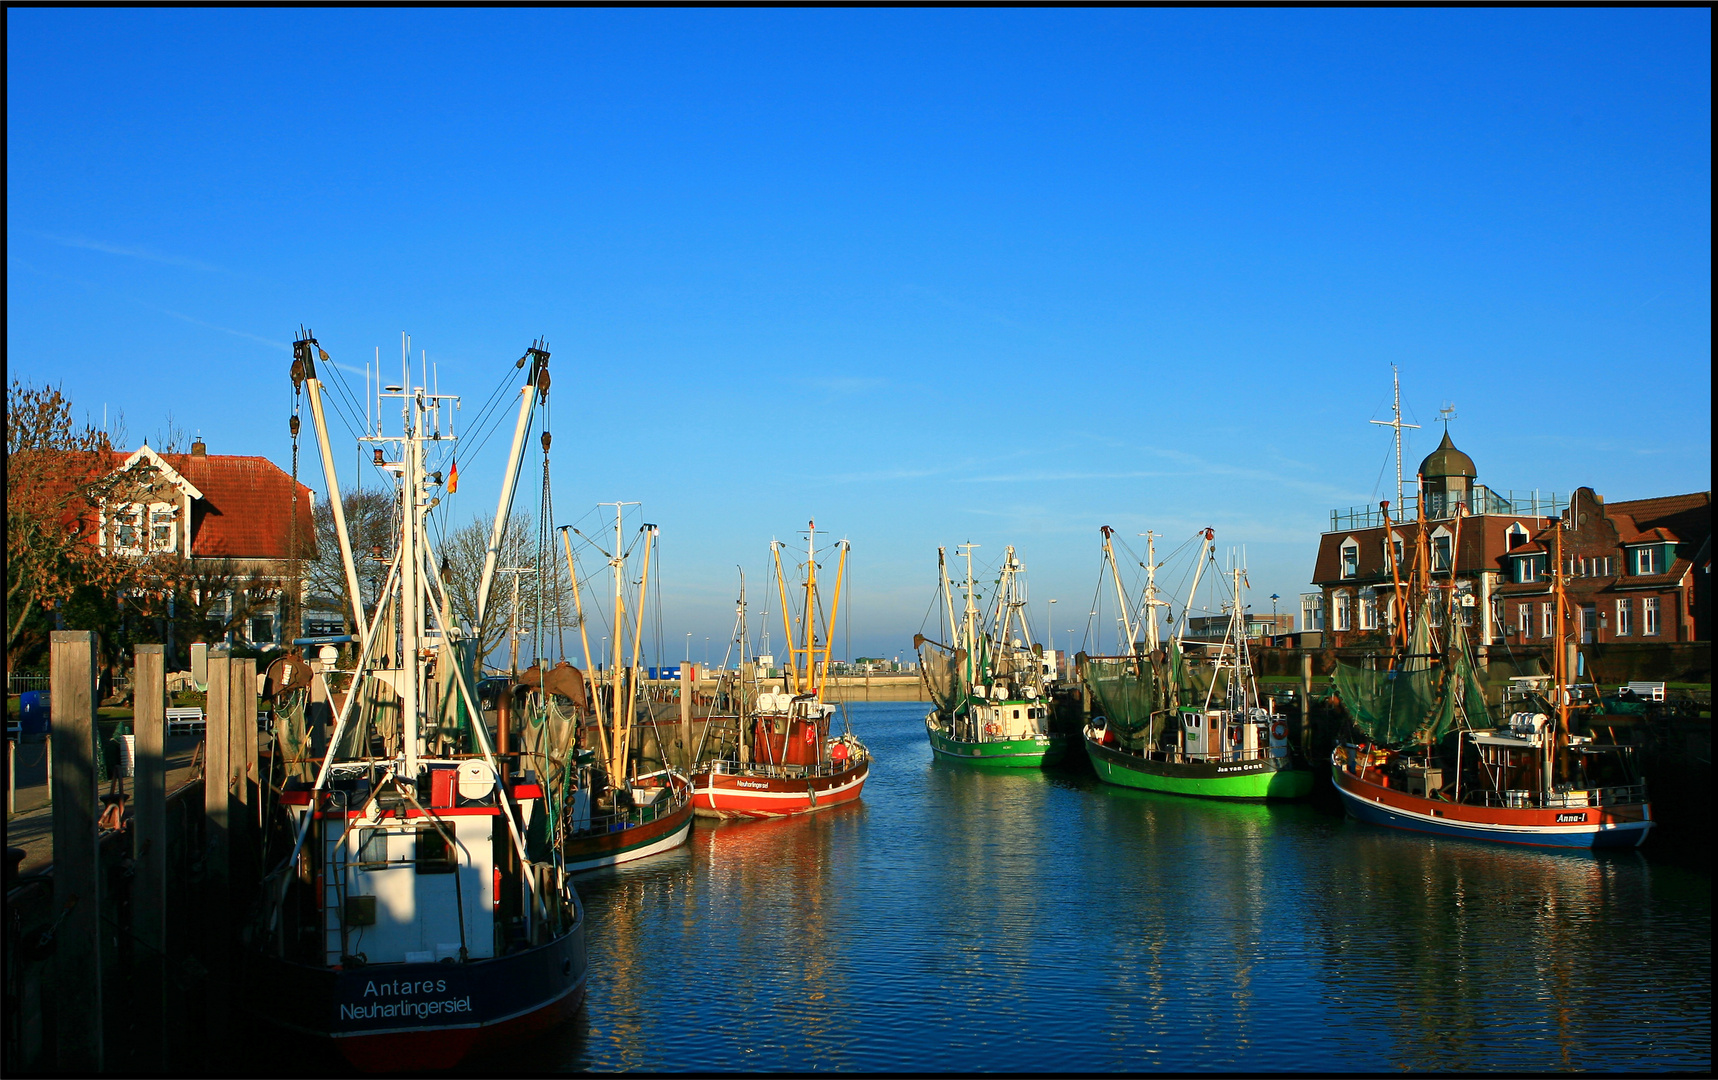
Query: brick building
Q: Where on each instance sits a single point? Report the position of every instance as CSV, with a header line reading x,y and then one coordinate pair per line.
x,y
1630,572
1354,574
1637,570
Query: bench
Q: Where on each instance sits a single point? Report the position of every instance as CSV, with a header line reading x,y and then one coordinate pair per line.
x,y
185,721
1646,691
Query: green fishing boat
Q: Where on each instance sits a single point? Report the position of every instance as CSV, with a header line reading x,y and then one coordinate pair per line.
x,y
991,687
1181,724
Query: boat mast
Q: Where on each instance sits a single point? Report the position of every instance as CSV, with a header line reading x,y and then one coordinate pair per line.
x,y
808,621
411,567
1205,549
1559,661
1121,596
1151,601
969,618
584,636
792,675
948,597
536,386
637,643
1396,423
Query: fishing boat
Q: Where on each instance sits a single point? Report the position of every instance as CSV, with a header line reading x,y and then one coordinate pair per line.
x,y
413,923
1171,724
785,759
618,814
990,686
1427,757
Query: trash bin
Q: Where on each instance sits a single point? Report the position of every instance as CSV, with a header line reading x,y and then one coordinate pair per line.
x,y
127,755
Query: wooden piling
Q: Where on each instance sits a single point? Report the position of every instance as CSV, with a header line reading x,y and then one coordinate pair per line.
x,y
11,778
76,963
241,729
686,716
48,755
1306,703
216,893
149,852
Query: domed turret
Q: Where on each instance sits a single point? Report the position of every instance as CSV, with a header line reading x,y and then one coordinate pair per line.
x,y
1447,478
1447,461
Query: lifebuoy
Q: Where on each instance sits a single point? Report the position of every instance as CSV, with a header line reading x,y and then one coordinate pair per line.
x,y
1279,731
810,734
990,729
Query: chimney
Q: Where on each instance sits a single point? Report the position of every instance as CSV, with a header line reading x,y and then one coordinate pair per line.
x,y
198,449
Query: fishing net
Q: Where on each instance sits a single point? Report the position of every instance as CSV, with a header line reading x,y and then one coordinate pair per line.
x,y
944,672
1418,702
1131,692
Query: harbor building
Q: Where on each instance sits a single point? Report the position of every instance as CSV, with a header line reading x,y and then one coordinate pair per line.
x,y
1359,557
1634,568
1631,572
229,517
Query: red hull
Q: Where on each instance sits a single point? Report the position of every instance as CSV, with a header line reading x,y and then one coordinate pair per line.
x,y
749,795
1368,798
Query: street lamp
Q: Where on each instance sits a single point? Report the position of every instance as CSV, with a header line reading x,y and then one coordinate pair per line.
x,y
688,647
1274,626
1050,626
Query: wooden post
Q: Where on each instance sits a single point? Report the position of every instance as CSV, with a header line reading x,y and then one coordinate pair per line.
x,y
149,848
1306,703
216,894
48,767
76,963
686,715
11,778
241,718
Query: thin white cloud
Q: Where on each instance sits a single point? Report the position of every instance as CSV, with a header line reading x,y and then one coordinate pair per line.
x,y
129,252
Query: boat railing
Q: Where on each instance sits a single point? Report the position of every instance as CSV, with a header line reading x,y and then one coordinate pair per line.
x,y
780,772
1572,799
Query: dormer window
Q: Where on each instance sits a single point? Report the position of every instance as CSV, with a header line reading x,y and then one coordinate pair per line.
x,y
1393,552
1443,549
1529,568
1350,558
1516,536
1648,560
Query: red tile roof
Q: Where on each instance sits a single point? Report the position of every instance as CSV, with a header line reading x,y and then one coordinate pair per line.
x,y
246,509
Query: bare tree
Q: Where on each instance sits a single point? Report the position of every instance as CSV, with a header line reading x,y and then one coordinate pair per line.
x,y
462,569
370,521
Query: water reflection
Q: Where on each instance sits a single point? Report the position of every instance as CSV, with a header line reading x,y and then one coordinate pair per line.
x,y
1040,921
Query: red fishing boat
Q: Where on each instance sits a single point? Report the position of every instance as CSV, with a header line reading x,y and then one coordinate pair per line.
x,y
1532,780
785,759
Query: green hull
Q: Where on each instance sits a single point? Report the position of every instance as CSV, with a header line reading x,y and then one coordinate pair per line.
x,y
1255,779
1034,753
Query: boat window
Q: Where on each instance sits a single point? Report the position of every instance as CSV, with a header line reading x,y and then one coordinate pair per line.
x,y
433,856
373,854
1016,714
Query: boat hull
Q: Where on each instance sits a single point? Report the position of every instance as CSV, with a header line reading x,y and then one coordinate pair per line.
x,y
418,1017
594,851
744,795
1031,753
1572,827
1269,778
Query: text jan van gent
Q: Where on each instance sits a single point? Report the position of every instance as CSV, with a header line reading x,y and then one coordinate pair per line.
x,y
379,1010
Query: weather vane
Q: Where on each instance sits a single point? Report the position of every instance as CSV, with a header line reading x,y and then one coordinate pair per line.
x,y
1446,414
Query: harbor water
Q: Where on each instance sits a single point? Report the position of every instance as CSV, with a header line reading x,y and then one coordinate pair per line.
x,y
958,919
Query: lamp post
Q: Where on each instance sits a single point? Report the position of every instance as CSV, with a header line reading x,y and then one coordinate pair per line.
x,y
1274,626
1050,625
688,647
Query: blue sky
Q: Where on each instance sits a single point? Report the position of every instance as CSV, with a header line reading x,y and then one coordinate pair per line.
x,y
926,276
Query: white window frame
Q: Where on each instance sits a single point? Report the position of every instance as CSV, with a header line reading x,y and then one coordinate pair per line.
x,y
1515,530
1312,611
1649,622
1441,533
1646,560
1526,626
1625,617
1350,558
1340,619
1547,621
1368,612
